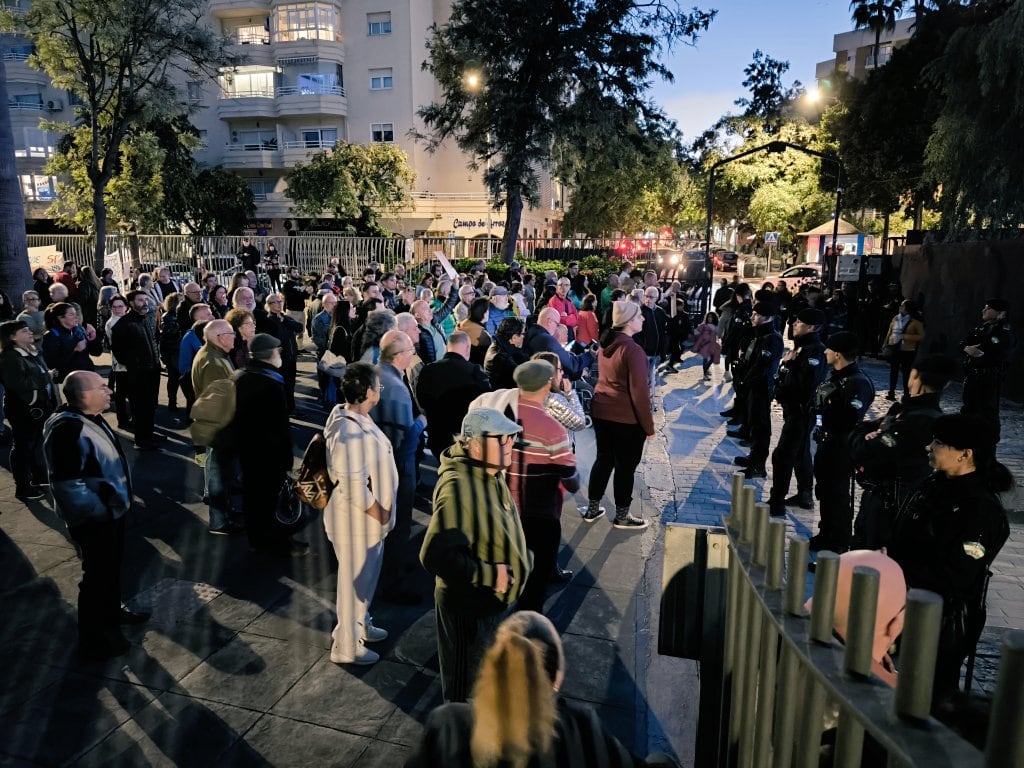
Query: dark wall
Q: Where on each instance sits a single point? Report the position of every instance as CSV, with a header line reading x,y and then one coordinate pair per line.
x,y
952,281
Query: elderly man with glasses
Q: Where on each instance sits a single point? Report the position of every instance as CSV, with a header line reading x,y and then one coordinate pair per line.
x,y
285,329
32,315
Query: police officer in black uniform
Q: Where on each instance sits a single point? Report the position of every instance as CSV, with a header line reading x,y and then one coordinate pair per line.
x,y
756,380
735,340
947,535
986,351
840,404
889,456
802,371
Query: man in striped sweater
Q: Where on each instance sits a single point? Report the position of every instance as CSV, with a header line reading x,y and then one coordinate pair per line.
x,y
474,547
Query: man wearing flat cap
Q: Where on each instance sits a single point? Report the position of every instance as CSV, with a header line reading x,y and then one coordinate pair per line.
x,y
474,546
801,372
987,350
840,404
542,465
755,378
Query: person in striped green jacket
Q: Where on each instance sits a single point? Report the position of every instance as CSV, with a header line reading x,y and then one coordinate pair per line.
x,y
474,547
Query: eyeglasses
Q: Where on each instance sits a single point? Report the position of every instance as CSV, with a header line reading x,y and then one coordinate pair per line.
x,y
226,333
273,301
249,322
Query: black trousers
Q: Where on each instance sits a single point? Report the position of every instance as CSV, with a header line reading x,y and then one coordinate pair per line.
x,y
832,475
399,559
27,448
792,455
462,641
619,448
543,535
143,391
101,545
982,389
288,372
260,488
173,380
122,382
741,410
873,527
759,423
901,363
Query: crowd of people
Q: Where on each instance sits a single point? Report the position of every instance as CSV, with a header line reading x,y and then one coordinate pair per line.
x,y
492,377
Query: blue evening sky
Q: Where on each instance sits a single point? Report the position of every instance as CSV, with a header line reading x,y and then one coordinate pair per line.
x,y
709,76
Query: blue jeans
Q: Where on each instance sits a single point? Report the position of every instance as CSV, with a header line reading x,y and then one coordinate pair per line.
x,y
221,479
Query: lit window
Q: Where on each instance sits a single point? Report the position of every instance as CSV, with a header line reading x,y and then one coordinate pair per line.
x,y
380,79
378,23
382,132
248,81
38,188
318,82
306,21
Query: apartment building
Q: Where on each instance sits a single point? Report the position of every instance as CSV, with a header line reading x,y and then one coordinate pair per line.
x,y
315,73
855,51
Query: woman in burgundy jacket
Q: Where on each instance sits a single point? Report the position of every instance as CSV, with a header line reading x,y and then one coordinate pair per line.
x,y
621,410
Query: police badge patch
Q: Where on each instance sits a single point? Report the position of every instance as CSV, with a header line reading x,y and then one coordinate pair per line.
x,y
813,361
974,550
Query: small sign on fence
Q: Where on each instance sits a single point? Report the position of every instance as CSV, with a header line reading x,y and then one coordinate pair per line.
x,y
446,265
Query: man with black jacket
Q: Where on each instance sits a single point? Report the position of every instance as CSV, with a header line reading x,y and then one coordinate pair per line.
x,y
986,351
445,389
133,344
801,372
840,403
296,292
276,323
756,380
540,337
889,454
734,341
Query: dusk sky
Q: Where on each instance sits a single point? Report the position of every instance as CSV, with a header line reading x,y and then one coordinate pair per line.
x,y
709,76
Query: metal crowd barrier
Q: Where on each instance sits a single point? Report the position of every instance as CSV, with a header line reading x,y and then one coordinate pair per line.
x,y
770,675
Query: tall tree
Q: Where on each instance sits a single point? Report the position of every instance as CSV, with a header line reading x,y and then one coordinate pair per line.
x,y
768,95
15,273
119,57
541,69
358,184
877,15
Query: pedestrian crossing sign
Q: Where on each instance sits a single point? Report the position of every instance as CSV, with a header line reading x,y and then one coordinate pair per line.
x,y
771,238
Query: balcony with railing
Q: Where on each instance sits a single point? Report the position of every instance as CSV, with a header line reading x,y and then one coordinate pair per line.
x,y
26,105
254,101
262,154
234,8
312,99
299,151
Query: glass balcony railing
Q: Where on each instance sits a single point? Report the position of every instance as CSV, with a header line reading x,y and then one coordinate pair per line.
x,y
260,92
311,144
35,106
311,89
252,38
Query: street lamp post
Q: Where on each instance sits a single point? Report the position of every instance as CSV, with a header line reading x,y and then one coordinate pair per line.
x,y
827,271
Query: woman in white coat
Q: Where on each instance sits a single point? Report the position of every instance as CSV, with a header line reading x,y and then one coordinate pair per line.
x,y
360,512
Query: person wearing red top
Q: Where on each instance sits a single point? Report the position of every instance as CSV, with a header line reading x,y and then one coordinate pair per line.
x,y
621,410
586,328
567,314
69,277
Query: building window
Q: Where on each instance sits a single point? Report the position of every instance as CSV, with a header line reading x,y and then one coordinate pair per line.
x,y
380,79
261,188
306,21
382,132
25,101
36,187
248,82
319,138
884,54
251,34
254,139
194,91
319,82
378,23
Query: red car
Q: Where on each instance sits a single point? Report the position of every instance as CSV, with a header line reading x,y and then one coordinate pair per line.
x,y
725,261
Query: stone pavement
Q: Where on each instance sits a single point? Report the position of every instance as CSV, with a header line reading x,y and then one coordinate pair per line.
x,y
234,669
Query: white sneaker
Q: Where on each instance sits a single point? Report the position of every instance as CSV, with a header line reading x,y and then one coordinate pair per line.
x,y
372,634
364,657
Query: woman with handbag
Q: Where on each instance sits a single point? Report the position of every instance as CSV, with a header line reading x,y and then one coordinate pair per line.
x,y
360,513
906,331
29,399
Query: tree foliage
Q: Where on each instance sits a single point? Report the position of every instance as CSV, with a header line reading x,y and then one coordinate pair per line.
x,y
768,95
119,58
545,69
877,15
358,184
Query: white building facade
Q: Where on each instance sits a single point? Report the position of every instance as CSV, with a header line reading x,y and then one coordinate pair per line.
x,y
315,73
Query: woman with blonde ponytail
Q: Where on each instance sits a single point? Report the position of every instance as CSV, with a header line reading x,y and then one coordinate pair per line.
x,y
516,719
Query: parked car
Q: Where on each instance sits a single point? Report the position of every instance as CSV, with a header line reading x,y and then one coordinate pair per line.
x,y
797,276
725,261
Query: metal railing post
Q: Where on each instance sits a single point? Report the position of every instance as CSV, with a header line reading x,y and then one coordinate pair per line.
x,y
918,652
796,576
1005,745
860,624
826,579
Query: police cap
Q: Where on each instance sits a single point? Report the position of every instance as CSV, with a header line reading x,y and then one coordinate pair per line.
x,y
811,316
845,343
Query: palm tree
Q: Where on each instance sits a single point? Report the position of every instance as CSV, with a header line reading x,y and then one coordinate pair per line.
x,y
876,15
15,275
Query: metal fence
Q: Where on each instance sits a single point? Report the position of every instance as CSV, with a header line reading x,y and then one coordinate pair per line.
x,y
774,679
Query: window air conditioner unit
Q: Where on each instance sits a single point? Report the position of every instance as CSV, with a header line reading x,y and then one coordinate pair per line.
x,y
54,106
234,137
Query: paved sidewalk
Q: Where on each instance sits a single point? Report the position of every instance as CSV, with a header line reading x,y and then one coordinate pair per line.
x,y
234,667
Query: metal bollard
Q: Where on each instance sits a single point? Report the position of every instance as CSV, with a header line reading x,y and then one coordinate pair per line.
x,y
918,651
737,489
776,553
761,518
796,575
826,578
860,624
1005,746
747,522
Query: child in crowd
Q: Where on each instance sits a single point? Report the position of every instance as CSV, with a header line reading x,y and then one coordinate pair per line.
x,y
706,343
